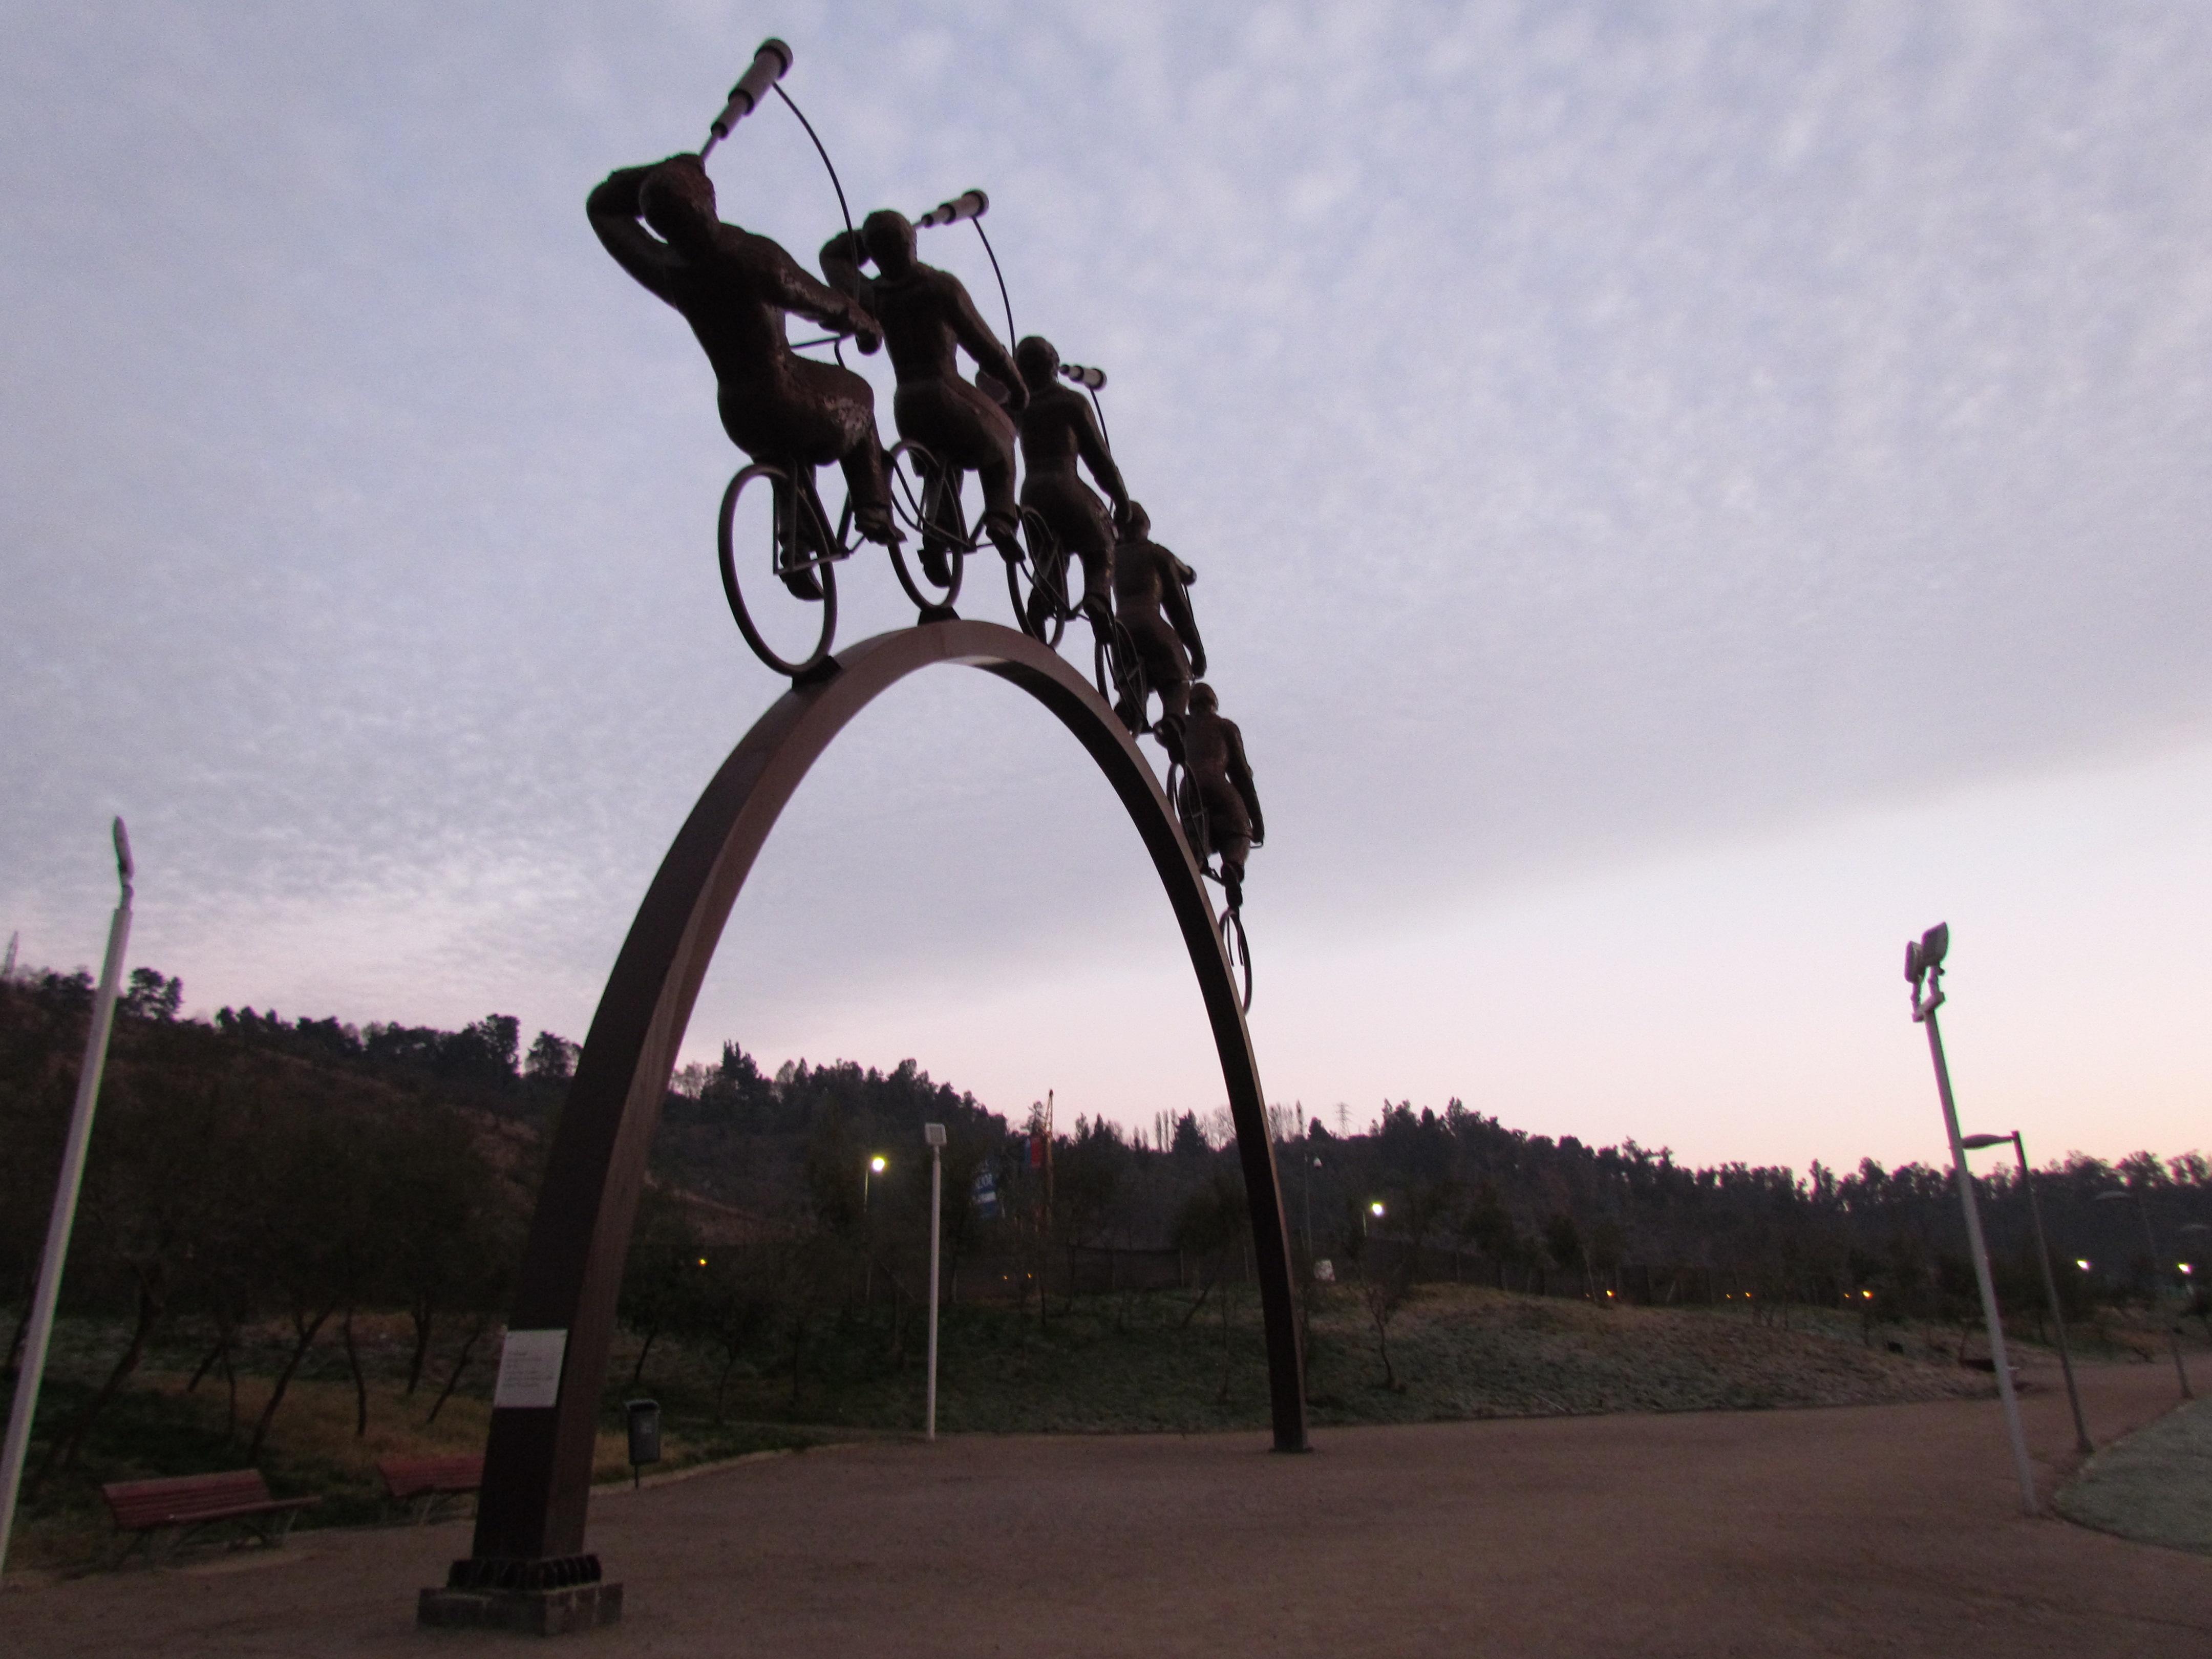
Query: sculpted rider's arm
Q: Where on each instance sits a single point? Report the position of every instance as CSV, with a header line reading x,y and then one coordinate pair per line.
x,y
1240,774
974,333
1175,601
1091,444
613,207
841,263
788,285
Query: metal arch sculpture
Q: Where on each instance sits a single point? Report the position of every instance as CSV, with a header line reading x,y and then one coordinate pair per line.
x,y
529,1543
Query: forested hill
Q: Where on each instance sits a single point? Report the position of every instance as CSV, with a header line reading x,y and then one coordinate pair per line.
x,y
253,1163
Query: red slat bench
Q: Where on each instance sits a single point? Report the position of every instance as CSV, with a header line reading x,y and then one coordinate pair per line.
x,y
428,1483
163,1513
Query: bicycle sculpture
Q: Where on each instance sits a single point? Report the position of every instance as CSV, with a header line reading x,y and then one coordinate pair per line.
x,y
793,414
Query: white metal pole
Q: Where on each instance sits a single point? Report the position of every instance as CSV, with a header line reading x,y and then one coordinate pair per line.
x,y
65,1194
936,1132
2021,1464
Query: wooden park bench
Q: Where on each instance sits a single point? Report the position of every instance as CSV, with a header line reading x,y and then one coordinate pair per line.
x,y
429,1483
163,1513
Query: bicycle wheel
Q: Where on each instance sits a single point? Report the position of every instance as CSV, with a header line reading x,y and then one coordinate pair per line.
x,y
1037,582
798,540
1239,953
1190,815
927,499
1119,673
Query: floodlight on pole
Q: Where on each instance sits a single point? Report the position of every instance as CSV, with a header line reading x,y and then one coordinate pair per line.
x,y
1924,970
2082,1444
39,1331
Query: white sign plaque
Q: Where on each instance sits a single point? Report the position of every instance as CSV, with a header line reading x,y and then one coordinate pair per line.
x,y
530,1369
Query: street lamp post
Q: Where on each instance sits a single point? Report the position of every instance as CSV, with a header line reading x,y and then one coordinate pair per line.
x,y
874,1166
2082,1444
63,1217
2150,1240
1924,965
934,1135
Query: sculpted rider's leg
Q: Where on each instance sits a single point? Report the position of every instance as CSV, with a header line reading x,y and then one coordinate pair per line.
x,y
1233,850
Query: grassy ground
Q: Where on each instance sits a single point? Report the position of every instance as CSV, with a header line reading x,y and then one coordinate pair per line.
x,y
2154,1487
1110,1365
156,1427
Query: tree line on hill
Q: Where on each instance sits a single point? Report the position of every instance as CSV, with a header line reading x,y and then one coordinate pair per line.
x,y
251,1171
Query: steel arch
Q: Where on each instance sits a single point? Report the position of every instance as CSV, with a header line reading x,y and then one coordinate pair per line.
x,y
538,1468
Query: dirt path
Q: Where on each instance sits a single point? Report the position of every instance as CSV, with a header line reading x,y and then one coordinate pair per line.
x,y
1859,1530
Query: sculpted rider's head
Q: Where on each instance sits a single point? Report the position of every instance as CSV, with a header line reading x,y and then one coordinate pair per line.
x,y
888,238
1136,523
1202,699
677,198
1039,361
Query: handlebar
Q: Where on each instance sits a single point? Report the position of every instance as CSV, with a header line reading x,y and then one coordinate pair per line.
x,y
969,204
769,65
1091,380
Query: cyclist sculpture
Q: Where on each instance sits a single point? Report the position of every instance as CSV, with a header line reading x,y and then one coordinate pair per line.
x,y
791,415
923,314
1058,430
733,287
1152,605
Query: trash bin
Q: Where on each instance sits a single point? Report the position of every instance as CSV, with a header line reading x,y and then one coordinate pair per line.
x,y
644,1434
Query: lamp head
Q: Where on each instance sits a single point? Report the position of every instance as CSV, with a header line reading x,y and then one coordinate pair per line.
x,y
1975,1142
876,1163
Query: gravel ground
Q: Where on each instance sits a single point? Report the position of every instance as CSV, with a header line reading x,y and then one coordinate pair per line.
x,y
2154,1487
1893,1530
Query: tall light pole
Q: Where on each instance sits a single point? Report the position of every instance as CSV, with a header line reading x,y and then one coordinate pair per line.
x,y
875,1166
2082,1444
63,1215
933,1133
1924,965
2174,1332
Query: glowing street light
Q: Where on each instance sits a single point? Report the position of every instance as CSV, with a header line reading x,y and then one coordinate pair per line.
x,y
874,1167
2121,1194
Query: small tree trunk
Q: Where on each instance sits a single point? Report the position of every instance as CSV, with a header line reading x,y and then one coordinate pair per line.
x,y
722,1383
230,1378
1205,1290
15,1342
65,1452
360,1384
420,1313
307,1329
637,1372
213,1355
1225,1347
460,1365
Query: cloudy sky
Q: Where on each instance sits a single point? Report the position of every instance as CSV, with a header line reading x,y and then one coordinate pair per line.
x,y
1684,497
